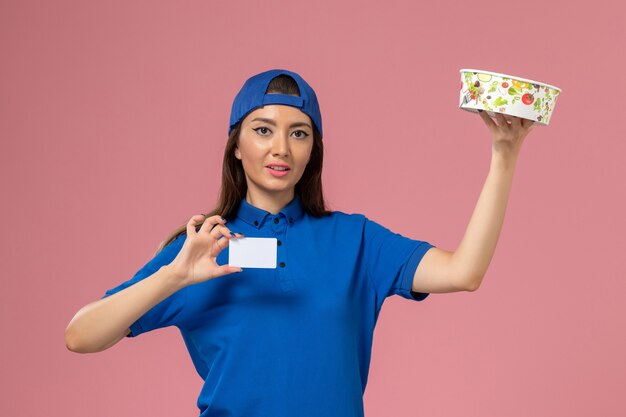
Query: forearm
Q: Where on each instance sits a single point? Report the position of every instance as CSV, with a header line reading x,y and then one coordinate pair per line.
x,y
100,324
474,254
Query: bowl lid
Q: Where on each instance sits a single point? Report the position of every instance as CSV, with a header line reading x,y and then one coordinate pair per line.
x,y
509,76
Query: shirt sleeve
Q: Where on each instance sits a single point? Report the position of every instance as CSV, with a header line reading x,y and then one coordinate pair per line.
x,y
168,312
391,260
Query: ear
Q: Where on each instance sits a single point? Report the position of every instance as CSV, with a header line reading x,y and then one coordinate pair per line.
x,y
237,153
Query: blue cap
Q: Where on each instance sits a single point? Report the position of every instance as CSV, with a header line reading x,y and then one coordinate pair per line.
x,y
252,96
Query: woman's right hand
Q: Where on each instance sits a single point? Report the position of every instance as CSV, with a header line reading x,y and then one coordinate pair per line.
x,y
196,261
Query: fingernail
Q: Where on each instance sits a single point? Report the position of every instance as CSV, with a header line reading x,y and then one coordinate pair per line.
x,y
232,234
241,270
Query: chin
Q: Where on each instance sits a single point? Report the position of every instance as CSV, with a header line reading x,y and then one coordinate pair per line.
x,y
279,190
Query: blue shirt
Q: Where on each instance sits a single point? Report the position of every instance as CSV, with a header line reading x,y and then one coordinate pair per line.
x,y
295,340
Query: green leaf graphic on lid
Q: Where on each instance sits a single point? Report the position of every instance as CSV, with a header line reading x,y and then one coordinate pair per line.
x,y
500,102
513,91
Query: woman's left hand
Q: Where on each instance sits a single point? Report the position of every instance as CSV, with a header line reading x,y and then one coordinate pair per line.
x,y
508,134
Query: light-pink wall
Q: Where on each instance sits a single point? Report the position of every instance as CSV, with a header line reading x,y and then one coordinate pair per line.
x,y
113,120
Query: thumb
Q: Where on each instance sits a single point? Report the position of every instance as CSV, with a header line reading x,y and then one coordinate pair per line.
x,y
227,269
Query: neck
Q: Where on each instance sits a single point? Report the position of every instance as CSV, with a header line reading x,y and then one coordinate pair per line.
x,y
273,203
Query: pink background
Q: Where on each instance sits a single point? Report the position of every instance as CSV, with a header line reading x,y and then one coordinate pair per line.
x,y
113,120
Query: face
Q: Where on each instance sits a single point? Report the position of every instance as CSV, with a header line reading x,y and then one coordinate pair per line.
x,y
274,135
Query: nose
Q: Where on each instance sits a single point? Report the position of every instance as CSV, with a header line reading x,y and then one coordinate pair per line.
x,y
280,145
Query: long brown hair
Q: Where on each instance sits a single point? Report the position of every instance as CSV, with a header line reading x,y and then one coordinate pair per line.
x,y
234,186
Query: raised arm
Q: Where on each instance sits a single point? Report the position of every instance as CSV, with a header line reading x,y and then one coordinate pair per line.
x,y
442,271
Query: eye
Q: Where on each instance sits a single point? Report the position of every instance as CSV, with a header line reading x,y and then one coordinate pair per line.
x,y
303,134
260,128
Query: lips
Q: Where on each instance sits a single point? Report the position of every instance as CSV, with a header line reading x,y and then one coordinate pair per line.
x,y
280,167
276,172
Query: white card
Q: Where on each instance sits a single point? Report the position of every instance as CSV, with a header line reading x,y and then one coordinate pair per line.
x,y
252,252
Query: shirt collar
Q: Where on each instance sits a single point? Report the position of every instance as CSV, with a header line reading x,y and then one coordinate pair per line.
x,y
255,216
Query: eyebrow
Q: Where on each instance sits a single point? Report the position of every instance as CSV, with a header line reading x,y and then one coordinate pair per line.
x,y
273,123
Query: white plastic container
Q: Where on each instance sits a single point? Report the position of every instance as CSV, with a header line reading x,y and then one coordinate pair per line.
x,y
507,94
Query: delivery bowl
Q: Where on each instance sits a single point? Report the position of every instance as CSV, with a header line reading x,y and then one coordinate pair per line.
x,y
506,94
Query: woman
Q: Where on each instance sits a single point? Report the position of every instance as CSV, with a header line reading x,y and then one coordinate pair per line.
x,y
294,340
